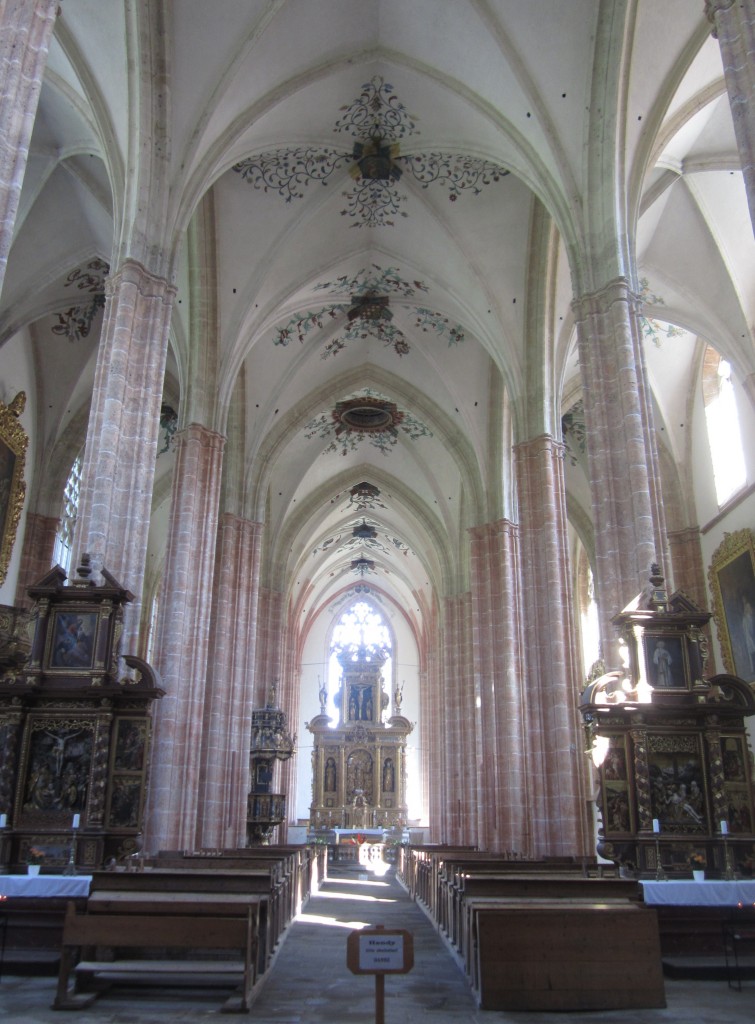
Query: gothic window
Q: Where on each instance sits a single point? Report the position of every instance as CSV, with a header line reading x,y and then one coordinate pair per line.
x,y
360,626
722,421
64,538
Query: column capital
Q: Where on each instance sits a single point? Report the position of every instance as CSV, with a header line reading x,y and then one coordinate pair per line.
x,y
714,7
600,301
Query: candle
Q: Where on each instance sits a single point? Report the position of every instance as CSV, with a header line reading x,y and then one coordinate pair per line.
x,y
656,825
724,828
3,820
76,820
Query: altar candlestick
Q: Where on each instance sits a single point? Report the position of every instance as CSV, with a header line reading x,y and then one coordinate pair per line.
x,y
76,820
656,825
724,828
3,820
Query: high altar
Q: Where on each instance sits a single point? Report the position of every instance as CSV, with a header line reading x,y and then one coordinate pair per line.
x,y
359,767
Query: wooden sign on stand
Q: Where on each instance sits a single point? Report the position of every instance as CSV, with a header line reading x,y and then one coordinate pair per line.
x,y
380,951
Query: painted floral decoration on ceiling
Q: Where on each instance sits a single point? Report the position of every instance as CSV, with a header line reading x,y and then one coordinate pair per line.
x,y
367,310
75,323
367,416
652,328
366,535
378,121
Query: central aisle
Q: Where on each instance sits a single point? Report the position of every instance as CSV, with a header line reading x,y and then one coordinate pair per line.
x,y
310,983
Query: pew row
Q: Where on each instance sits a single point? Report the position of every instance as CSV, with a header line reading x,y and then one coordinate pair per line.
x,y
155,916
175,932
541,935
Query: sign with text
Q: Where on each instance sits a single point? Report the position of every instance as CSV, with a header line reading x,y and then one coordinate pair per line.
x,y
380,951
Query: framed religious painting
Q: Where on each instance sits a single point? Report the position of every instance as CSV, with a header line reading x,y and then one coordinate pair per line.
x,y
666,660
615,794
732,582
677,783
737,792
71,639
55,781
13,445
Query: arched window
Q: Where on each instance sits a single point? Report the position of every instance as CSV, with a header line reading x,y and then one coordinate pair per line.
x,y
64,537
722,421
360,626
589,624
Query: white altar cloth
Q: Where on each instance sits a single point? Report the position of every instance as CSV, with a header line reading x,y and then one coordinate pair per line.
x,y
346,834
39,886
687,893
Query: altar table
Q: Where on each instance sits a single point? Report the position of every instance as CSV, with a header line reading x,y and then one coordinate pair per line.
x,y
687,893
42,886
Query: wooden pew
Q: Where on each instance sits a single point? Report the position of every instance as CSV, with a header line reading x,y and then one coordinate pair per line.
x,y
187,928
576,955
127,892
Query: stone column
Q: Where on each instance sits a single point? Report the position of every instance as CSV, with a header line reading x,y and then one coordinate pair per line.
x,y
37,553
454,730
556,761
499,685
230,689
183,631
26,28
734,26
119,461
630,533
687,560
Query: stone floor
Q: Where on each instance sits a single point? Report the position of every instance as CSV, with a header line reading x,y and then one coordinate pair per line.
x,y
310,983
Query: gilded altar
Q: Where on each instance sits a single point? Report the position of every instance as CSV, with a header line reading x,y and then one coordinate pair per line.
x,y
359,766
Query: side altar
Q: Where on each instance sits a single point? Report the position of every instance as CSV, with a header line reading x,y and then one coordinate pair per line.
x,y
670,748
359,766
75,729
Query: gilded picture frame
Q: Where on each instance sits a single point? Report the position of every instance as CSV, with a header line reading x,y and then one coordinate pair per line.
x,y
13,445
732,583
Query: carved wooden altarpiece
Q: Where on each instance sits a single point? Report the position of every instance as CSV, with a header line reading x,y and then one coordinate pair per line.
x,y
670,747
75,725
359,767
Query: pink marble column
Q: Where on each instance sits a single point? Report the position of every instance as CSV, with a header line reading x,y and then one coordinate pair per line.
x,y
183,631
37,553
454,728
497,656
432,684
630,531
119,462
230,696
556,762
734,27
26,28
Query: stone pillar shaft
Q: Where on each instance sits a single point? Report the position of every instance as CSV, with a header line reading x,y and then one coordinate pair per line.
x,y
627,509
37,553
182,642
556,798
119,462
229,705
26,28
734,27
496,641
